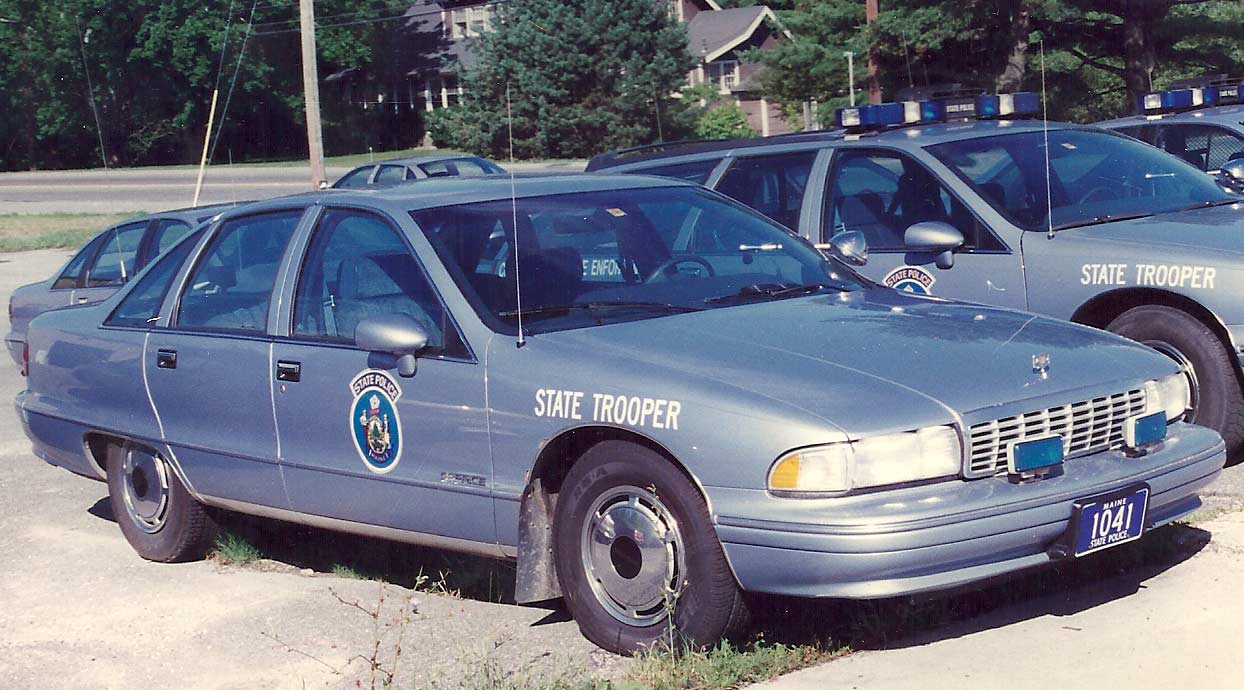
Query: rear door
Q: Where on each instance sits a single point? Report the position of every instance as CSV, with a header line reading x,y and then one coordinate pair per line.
x,y
113,265
358,442
207,372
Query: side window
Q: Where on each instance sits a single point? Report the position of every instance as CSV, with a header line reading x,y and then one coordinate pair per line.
x,y
141,307
695,171
1146,133
356,178
881,194
473,167
231,286
166,235
357,267
68,278
115,262
1224,146
391,174
773,185
438,169
1205,146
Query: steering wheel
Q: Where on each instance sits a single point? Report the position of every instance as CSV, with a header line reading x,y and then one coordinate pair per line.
x,y
1092,192
670,263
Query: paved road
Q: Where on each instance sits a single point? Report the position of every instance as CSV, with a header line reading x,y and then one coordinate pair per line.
x,y
158,189
81,610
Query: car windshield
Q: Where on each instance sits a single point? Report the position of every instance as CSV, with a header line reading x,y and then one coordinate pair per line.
x,y
1094,177
599,257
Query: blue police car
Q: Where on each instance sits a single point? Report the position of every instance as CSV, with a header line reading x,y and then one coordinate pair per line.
x,y
1198,120
651,397
962,195
102,266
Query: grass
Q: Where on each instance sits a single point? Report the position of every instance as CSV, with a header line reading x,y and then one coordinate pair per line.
x,y
21,232
723,667
231,549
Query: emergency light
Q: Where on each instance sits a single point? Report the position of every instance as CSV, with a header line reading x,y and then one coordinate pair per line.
x,y
1190,94
982,107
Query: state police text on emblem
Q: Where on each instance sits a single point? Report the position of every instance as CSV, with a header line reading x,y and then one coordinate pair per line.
x,y
374,422
910,279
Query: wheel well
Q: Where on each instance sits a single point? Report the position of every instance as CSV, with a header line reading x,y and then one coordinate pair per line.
x,y
97,450
536,571
1104,308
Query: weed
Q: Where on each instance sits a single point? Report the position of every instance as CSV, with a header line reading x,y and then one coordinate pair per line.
x,y
230,549
345,571
721,668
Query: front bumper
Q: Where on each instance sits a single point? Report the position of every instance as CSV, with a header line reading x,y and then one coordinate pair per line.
x,y
943,535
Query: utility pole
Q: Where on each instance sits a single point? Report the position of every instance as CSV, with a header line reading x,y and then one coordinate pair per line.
x,y
311,93
874,89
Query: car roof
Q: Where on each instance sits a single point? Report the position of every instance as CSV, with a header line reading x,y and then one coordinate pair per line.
x,y
1222,114
419,160
451,191
920,135
192,214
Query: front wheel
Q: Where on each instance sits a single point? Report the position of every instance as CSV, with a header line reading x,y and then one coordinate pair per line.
x,y
158,517
1217,400
637,556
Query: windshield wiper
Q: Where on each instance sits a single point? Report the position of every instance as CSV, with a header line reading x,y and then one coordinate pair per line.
x,y
1098,220
773,291
560,309
1211,204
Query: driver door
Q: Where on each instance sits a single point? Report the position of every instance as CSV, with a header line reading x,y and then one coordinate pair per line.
x,y
881,193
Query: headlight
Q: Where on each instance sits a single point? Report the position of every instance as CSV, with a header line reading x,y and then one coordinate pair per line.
x,y
877,461
1169,393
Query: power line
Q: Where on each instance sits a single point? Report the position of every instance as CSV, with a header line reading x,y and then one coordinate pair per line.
x,y
374,20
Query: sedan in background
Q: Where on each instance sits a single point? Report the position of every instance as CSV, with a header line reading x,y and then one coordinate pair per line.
x,y
101,267
401,170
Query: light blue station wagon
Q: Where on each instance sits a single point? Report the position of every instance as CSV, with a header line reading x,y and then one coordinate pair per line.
x,y
651,397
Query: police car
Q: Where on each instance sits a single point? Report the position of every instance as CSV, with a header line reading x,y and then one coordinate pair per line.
x,y
100,267
951,193
1199,120
729,411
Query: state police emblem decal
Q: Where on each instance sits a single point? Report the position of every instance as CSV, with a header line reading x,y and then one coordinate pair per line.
x,y
374,421
911,279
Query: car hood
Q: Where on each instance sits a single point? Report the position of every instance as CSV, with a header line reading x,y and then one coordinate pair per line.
x,y
871,358
1219,229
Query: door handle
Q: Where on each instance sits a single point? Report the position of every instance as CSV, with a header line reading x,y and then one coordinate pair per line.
x,y
166,359
83,300
288,371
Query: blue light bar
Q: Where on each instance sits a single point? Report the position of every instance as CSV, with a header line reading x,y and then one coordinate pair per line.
x,y
1189,99
880,116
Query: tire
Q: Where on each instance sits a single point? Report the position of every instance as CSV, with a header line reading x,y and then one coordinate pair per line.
x,y
158,517
621,605
1218,401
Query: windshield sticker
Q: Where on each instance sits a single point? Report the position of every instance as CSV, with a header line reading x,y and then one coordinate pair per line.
x,y
616,212
911,279
656,413
374,422
1149,275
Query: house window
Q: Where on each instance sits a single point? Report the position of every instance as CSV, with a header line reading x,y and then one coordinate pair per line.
x,y
725,75
469,22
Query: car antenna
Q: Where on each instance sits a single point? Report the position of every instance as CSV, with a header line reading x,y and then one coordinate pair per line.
x,y
518,283
1045,131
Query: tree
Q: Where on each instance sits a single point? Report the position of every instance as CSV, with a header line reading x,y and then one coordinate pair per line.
x,y
579,77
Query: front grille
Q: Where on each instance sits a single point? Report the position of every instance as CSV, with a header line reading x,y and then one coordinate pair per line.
x,y
1087,427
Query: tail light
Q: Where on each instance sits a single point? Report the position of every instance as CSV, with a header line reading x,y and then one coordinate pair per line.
x,y
25,359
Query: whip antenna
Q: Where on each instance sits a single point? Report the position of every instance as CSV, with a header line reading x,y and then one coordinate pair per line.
x,y
1045,131
518,283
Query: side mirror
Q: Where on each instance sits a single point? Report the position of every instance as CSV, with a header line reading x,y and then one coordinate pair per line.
x,y
393,334
850,246
1233,170
934,237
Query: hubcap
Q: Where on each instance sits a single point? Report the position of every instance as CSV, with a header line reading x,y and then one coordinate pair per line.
x,y
1194,386
632,555
145,489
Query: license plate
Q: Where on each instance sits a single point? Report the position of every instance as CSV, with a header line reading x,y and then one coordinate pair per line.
x,y
1110,519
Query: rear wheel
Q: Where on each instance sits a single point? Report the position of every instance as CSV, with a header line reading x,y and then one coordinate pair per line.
x,y
1217,400
158,517
634,546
